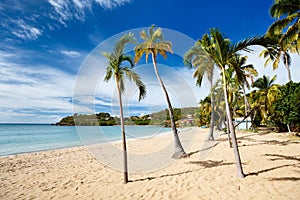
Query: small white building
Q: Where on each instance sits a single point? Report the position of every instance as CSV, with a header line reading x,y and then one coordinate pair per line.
x,y
242,125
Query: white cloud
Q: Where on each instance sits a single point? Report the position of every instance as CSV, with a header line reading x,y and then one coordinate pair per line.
x,y
72,54
109,4
55,13
65,10
25,31
33,93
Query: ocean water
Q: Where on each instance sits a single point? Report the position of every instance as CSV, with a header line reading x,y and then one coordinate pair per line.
x,y
23,138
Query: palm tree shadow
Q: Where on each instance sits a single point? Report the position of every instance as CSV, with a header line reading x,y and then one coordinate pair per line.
x,y
211,163
162,176
203,149
267,170
267,142
279,157
205,164
285,179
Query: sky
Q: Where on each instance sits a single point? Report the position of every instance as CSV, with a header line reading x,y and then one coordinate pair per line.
x,y
50,53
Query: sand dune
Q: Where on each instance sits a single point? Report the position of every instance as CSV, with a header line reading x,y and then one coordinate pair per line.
x,y
270,160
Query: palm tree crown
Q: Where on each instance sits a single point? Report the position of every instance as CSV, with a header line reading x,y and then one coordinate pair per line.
x,y
264,83
268,92
288,14
153,44
284,32
116,69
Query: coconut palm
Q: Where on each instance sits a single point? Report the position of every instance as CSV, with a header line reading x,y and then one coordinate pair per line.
x,y
117,69
204,111
282,53
203,64
154,45
243,73
268,91
221,50
287,13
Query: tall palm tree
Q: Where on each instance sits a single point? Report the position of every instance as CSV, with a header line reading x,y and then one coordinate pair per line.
x,y
282,53
154,45
221,50
266,94
287,13
116,68
243,73
196,57
285,32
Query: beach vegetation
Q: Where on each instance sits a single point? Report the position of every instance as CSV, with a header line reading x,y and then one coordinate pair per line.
x,y
100,119
264,97
286,109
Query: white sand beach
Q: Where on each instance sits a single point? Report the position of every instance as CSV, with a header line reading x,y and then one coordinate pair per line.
x,y
271,162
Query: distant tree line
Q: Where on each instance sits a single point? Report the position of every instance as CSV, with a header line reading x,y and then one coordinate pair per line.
x,y
160,118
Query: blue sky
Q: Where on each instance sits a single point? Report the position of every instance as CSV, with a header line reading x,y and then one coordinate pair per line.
x,y
46,45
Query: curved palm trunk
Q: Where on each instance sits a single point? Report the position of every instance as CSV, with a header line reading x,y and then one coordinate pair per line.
x,y
179,151
232,130
123,134
212,103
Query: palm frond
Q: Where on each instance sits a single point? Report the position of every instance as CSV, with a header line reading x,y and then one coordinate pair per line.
x,y
115,61
127,58
157,36
109,73
144,35
278,26
132,76
125,39
151,30
292,34
192,54
284,7
163,46
244,44
198,75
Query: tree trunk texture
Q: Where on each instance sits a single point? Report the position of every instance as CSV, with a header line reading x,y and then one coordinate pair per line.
x,y
123,134
212,118
179,151
288,68
228,133
232,130
288,126
246,105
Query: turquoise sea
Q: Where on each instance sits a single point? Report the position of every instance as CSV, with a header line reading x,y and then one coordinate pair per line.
x,y
23,138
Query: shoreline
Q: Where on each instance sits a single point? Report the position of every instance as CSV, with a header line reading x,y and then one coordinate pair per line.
x,y
271,162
